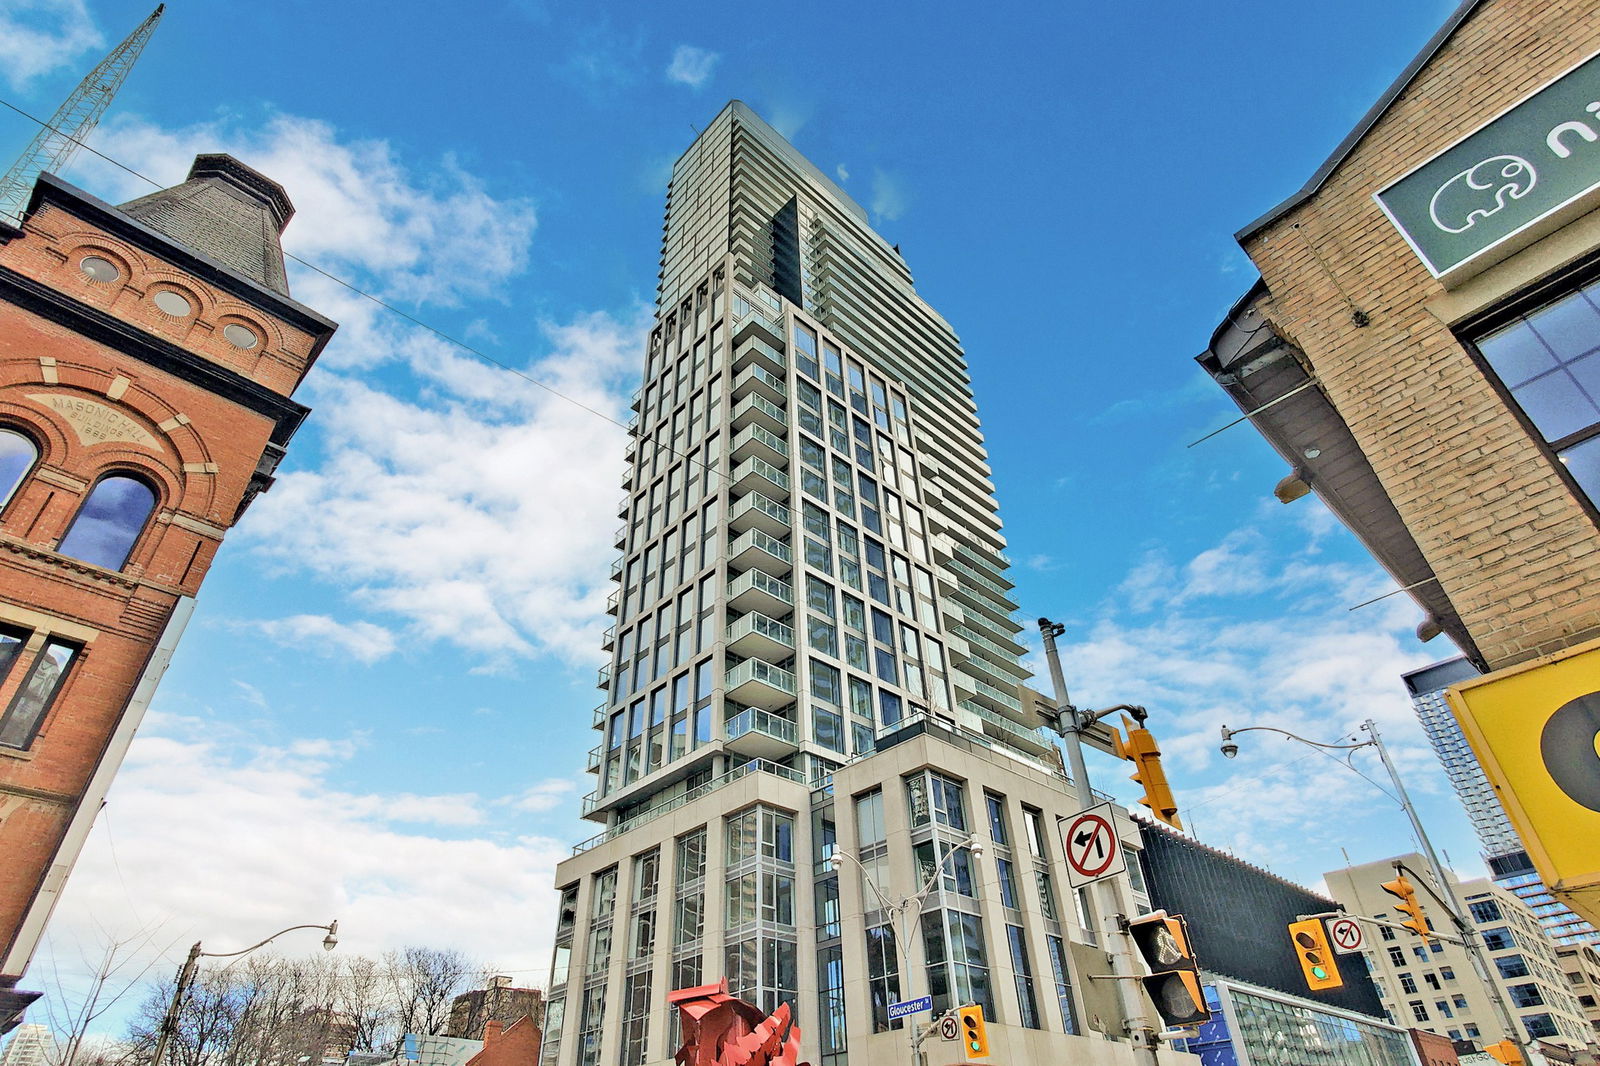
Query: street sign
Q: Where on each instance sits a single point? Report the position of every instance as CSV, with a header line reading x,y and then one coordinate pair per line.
x,y
1345,935
910,1006
949,1029
1534,727
1092,849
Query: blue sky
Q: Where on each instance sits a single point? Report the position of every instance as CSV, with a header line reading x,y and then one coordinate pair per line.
x,y
381,708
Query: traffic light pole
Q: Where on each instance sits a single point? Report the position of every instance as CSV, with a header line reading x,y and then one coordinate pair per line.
x,y
1107,894
1445,893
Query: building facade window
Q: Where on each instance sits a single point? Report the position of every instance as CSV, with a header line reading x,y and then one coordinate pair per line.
x,y
760,950
26,713
1026,1002
109,522
1485,910
1549,360
17,456
1063,981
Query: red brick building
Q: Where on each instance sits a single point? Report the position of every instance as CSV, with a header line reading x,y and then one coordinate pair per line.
x,y
147,357
516,1044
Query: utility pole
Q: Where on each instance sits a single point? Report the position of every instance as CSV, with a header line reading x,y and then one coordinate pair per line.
x,y
1108,895
59,140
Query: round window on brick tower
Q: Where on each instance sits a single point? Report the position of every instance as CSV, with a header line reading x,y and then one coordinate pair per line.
x,y
173,303
240,336
98,268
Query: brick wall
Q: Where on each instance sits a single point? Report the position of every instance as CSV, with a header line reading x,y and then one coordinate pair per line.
x,y
1514,548
94,408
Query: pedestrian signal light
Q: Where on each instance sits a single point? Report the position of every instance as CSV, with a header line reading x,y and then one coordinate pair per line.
x,y
974,1036
1174,983
1506,1051
1310,941
1140,748
1406,893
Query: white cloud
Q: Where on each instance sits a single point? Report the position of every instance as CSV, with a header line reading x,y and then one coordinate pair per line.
x,y
840,172
435,237
889,197
482,516
362,641
200,813
40,36
692,66
543,795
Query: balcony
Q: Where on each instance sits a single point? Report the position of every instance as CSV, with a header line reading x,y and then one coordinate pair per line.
x,y
754,766
619,539
760,330
757,683
757,380
756,550
987,694
758,635
614,602
761,735
757,475
594,758
757,410
600,715
608,639
603,679
756,511
623,505
758,442
756,590
1033,741
756,352
616,570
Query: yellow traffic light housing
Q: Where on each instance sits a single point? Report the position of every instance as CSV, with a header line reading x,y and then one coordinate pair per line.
x,y
1506,1052
1174,981
1310,940
974,1035
1406,893
1141,749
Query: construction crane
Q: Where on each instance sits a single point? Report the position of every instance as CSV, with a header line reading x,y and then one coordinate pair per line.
x,y
59,140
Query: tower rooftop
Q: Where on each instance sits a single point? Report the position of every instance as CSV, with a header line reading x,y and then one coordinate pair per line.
x,y
228,211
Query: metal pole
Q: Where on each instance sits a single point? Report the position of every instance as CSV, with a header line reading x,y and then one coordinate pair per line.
x,y
1447,894
1136,1016
169,1021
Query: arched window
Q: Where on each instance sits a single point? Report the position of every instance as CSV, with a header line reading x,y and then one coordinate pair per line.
x,y
17,456
110,520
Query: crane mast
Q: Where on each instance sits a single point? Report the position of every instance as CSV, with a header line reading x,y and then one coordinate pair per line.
x,y
59,140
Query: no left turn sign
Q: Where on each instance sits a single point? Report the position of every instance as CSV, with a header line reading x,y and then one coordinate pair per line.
x,y
1345,935
1093,852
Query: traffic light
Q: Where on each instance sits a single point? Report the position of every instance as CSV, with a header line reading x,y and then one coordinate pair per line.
x,y
1406,893
1174,983
1141,749
974,1036
1506,1051
1310,941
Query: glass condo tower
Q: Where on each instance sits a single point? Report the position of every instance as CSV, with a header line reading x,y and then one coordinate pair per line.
x,y
814,651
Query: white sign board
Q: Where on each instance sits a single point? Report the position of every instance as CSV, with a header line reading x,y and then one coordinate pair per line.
x,y
1345,935
1089,840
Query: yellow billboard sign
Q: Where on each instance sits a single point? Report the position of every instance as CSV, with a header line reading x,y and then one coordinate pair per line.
x,y
1536,730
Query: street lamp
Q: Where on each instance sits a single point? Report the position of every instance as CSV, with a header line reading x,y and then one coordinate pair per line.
x,y
1446,895
169,1021
907,913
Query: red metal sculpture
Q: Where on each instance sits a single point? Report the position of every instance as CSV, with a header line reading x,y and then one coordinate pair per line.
x,y
721,1030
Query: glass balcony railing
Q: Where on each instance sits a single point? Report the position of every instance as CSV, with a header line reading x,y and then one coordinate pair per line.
x,y
756,539
754,766
760,436
755,501
756,624
763,672
755,720
757,469
756,405
761,582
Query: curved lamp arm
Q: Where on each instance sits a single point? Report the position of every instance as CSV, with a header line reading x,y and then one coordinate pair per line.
x,y
1230,749
328,942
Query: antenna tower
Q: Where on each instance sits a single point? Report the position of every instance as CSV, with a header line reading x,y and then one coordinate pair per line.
x,y
56,143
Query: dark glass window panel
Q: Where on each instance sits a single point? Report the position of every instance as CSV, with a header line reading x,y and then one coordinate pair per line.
x,y
38,691
1516,354
17,456
109,522
11,642
1569,327
1587,373
1556,405
1583,463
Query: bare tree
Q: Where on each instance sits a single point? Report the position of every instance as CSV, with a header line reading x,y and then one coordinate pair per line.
x,y
123,963
364,999
422,982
